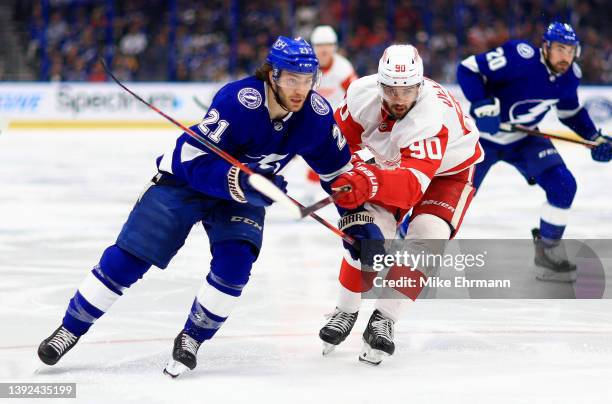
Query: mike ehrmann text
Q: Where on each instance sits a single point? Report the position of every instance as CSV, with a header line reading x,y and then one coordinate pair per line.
x,y
437,282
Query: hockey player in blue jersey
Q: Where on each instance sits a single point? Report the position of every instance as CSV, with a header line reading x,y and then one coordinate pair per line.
x,y
263,121
518,84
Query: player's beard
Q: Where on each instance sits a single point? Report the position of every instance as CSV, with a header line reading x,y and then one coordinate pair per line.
x,y
561,67
396,109
292,100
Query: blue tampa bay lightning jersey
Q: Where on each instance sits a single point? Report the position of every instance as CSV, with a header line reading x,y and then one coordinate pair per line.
x,y
517,74
239,123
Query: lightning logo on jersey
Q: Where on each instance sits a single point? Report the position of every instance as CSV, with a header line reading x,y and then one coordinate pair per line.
x,y
517,74
530,112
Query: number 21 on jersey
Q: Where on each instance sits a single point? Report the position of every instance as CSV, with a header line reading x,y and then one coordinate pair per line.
x,y
211,118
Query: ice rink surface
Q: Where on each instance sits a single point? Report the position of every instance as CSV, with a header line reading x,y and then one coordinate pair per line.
x,y
65,195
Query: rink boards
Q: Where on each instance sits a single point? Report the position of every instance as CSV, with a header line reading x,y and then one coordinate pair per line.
x,y
107,106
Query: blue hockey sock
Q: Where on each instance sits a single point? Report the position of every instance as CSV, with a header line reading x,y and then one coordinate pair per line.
x,y
550,232
105,283
80,315
201,324
560,187
230,271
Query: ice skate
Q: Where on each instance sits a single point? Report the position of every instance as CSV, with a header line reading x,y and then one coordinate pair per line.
x,y
551,261
52,349
183,355
377,339
337,329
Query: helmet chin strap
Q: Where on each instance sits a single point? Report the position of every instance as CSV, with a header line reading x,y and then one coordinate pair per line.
x,y
278,99
546,52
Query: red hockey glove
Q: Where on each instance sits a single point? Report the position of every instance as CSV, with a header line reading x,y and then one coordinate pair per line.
x,y
364,183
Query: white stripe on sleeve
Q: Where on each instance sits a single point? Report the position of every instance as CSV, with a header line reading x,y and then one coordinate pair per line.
x,y
568,113
470,63
189,152
328,177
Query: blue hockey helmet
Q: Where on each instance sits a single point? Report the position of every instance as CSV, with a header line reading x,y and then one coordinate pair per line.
x,y
563,33
293,55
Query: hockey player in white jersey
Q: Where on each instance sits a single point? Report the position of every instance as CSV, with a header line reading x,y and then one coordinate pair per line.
x,y
416,149
337,74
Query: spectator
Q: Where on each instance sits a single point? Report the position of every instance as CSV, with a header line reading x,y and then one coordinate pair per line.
x,y
97,74
206,48
134,42
57,29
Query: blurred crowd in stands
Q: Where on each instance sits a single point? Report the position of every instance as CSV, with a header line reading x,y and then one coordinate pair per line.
x,y
216,40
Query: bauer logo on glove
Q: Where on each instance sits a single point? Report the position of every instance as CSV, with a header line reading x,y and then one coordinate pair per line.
x,y
363,181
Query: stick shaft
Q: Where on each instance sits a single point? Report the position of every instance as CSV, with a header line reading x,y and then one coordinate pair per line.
x,y
586,143
224,155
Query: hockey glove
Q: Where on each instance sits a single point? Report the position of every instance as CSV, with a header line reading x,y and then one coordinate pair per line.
x,y
360,225
486,115
603,151
363,182
242,191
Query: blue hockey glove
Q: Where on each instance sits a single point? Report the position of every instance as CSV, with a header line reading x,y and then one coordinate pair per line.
x,y
486,115
242,191
359,224
603,151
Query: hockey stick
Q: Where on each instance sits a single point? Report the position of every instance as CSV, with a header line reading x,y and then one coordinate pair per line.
x,y
508,127
304,210
258,181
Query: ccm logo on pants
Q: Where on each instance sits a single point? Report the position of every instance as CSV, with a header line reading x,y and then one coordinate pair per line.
x,y
247,221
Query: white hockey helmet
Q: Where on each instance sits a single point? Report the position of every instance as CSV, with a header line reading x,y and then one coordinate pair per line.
x,y
323,35
400,66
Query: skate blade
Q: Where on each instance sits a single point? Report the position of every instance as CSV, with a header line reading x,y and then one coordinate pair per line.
x,y
328,348
371,356
174,369
548,275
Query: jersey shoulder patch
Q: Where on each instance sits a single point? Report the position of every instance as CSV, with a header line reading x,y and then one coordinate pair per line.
x,y
319,105
250,97
525,50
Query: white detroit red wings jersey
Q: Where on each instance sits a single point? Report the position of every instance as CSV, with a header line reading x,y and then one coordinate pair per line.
x,y
435,138
335,79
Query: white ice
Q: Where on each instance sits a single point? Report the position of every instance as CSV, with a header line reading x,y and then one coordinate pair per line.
x,y
65,195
